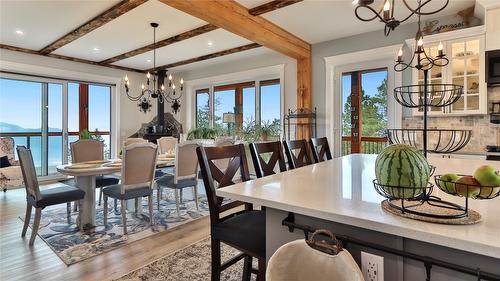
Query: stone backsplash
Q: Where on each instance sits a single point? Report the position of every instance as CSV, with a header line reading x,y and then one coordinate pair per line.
x,y
483,132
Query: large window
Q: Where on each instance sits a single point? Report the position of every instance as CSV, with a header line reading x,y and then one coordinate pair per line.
x,y
234,109
32,111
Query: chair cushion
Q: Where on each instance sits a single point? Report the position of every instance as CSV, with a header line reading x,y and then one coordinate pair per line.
x,y
57,195
114,191
4,162
246,231
168,181
101,181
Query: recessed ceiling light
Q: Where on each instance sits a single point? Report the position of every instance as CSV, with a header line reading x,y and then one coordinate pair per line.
x,y
210,43
96,49
148,60
19,32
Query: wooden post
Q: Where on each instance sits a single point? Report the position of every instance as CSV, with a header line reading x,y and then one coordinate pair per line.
x,y
83,100
356,106
304,99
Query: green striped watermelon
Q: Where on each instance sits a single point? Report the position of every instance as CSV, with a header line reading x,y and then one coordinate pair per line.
x,y
401,165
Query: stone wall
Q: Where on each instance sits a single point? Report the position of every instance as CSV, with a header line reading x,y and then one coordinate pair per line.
x,y
483,132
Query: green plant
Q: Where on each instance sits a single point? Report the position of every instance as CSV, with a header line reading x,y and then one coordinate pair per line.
x,y
203,133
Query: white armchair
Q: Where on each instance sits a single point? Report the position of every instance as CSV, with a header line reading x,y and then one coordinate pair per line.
x,y
10,177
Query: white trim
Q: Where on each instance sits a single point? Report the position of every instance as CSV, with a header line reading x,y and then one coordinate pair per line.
x,y
257,74
451,35
374,58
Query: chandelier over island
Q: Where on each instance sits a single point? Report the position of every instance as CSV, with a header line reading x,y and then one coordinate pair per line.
x,y
386,12
154,88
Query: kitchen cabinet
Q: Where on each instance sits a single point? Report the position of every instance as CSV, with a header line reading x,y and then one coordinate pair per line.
x,y
493,29
465,51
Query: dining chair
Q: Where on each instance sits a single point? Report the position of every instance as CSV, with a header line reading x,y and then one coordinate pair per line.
x,y
271,150
130,141
320,149
166,144
90,150
39,199
185,174
244,230
137,176
298,153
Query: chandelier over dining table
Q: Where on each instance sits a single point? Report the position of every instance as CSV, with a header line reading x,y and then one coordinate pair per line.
x,y
155,89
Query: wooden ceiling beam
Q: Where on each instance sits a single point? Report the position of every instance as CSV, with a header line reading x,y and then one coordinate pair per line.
x,y
34,52
235,18
177,38
105,17
210,56
271,6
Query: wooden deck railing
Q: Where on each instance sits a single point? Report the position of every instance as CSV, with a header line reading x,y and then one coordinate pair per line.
x,y
369,145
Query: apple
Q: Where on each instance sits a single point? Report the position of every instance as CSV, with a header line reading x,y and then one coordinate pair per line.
x,y
467,186
447,182
487,176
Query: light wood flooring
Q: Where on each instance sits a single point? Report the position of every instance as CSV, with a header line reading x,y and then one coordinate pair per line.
x,y
18,261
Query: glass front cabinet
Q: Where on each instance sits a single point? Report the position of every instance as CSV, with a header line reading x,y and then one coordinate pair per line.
x,y
466,68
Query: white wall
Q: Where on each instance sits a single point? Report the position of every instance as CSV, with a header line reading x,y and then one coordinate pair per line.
x,y
128,117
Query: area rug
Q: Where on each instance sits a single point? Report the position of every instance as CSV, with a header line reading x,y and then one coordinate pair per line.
x,y
73,246
188,264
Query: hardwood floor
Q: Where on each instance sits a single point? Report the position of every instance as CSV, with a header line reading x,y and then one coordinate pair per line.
x,y
18,261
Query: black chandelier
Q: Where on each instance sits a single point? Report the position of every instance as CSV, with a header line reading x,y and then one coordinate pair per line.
x,y
153,89
386,12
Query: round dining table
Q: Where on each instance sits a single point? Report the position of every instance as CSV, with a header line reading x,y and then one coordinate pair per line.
x,y
85,174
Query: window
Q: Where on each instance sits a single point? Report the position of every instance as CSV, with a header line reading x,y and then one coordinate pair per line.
x,y
32,112
235,109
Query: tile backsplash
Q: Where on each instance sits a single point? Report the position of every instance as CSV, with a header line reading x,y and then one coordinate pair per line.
x,y
483,132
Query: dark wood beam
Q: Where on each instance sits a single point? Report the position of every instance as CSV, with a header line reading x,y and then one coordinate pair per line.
x,y
211,56
34,52
105,17
177,38
271,6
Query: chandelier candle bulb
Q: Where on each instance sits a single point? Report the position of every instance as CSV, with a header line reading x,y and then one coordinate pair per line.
x,y
440,49
387,8
400,54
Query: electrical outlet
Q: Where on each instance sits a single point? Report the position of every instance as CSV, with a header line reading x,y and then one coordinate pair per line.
x,y
372,267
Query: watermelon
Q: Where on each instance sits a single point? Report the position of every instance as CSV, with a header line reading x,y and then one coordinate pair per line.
x,y
401,165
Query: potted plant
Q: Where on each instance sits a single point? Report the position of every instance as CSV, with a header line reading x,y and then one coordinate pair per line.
x,y
265,130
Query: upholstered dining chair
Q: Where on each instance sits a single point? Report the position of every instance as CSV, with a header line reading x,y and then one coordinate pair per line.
x,y
166,144
137,176
320,149
89,150
185,174
39,199
130,141
274,151
298,153
10,171
244,230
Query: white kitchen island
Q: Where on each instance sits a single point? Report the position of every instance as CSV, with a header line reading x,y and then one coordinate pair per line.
x,y
339,195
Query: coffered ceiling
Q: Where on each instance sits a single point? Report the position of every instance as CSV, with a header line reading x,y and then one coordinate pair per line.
x,y
31,26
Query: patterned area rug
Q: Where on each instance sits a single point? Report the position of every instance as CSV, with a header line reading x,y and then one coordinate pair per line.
x,y
188,264
73,246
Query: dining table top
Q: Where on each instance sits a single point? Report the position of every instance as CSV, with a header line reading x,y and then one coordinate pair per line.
x,y
104,167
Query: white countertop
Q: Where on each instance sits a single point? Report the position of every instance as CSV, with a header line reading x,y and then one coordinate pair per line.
x,y
341,190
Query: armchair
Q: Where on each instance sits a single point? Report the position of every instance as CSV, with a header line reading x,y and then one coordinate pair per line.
x,y
12,176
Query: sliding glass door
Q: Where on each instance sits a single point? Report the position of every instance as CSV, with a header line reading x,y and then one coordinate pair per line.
x,y
46,115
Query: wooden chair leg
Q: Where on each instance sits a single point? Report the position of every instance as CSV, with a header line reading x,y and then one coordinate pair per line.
x,y
116,206
150,205
36,224
123,207
100,196
196,201
68,212
75,208
158,197
176,191
180,195
105,218
261,275
27,219
136,206
247,268
215,245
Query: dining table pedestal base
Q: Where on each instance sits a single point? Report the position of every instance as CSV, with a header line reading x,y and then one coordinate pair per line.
x,y
86,208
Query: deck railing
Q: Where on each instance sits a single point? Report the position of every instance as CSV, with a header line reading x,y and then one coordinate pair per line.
x,y
369,145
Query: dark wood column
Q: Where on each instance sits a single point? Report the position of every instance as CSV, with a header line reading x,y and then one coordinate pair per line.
x,y
356,106
161,106
83,120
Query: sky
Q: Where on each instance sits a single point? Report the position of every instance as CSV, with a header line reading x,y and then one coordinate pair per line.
x,y
369,83
21,104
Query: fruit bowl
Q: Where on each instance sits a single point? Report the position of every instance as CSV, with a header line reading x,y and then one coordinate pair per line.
x,y
470,190
403,192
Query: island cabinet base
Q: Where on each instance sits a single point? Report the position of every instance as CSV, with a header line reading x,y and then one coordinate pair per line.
x,y
396,267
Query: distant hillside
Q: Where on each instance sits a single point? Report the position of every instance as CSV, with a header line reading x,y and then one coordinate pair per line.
x,y
12,128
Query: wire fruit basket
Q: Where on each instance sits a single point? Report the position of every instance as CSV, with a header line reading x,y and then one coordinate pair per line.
x,y
437,95
444,140
473,191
